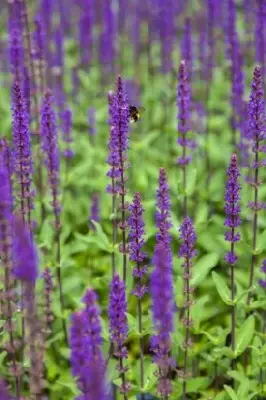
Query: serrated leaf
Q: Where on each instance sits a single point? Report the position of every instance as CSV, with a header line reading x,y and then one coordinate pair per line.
x,y
244,335
222,288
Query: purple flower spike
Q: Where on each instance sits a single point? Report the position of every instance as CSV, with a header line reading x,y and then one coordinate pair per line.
x,y
188,252
162,309
25,258
136,242
16,52
260,34
80,351
4,394
256,135
22,148
51,151
120,115
188,237
186,47
256,110
118,326
184,106
232,208
94,330
39,39
163,222
262,282
113,157
117,316
85,36
210,38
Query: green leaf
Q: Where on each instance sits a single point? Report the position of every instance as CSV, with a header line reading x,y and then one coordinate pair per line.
x,y
195,384
240,297
222,288
244,335
231,393
132,323
203,267
243,389
151,378
220,396
255,305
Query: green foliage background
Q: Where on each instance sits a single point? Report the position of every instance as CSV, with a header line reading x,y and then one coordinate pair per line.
x,y
86,254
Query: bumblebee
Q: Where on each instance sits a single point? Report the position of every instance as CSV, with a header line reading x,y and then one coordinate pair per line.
x,y
134,113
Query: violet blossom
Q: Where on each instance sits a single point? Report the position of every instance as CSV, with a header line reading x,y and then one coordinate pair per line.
x,y
232,208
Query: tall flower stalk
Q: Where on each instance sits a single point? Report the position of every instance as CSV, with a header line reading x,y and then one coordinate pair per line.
x,y
236,70
136,242
51,152
25,269
256,134
163,222
7,264
113,173
29,63
15,53
23,158
4,393
184,104
119,133
119,327
260,34
162,310
86,359
188,252
232,222
39,52
121,121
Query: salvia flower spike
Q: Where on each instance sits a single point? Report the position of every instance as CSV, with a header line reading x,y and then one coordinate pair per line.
x,y
22,147
232,222
162,310
136,255
119,327
188,252
256,135
7,264
25,269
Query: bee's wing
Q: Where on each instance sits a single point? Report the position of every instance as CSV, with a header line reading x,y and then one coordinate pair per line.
x,y
141,109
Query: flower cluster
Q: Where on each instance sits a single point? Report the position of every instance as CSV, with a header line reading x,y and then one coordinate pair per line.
x,y
86,354
162,310
256,132
117,316
22,148
188,238
50,148
232,208
184,105
136,242
163,222
93,326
